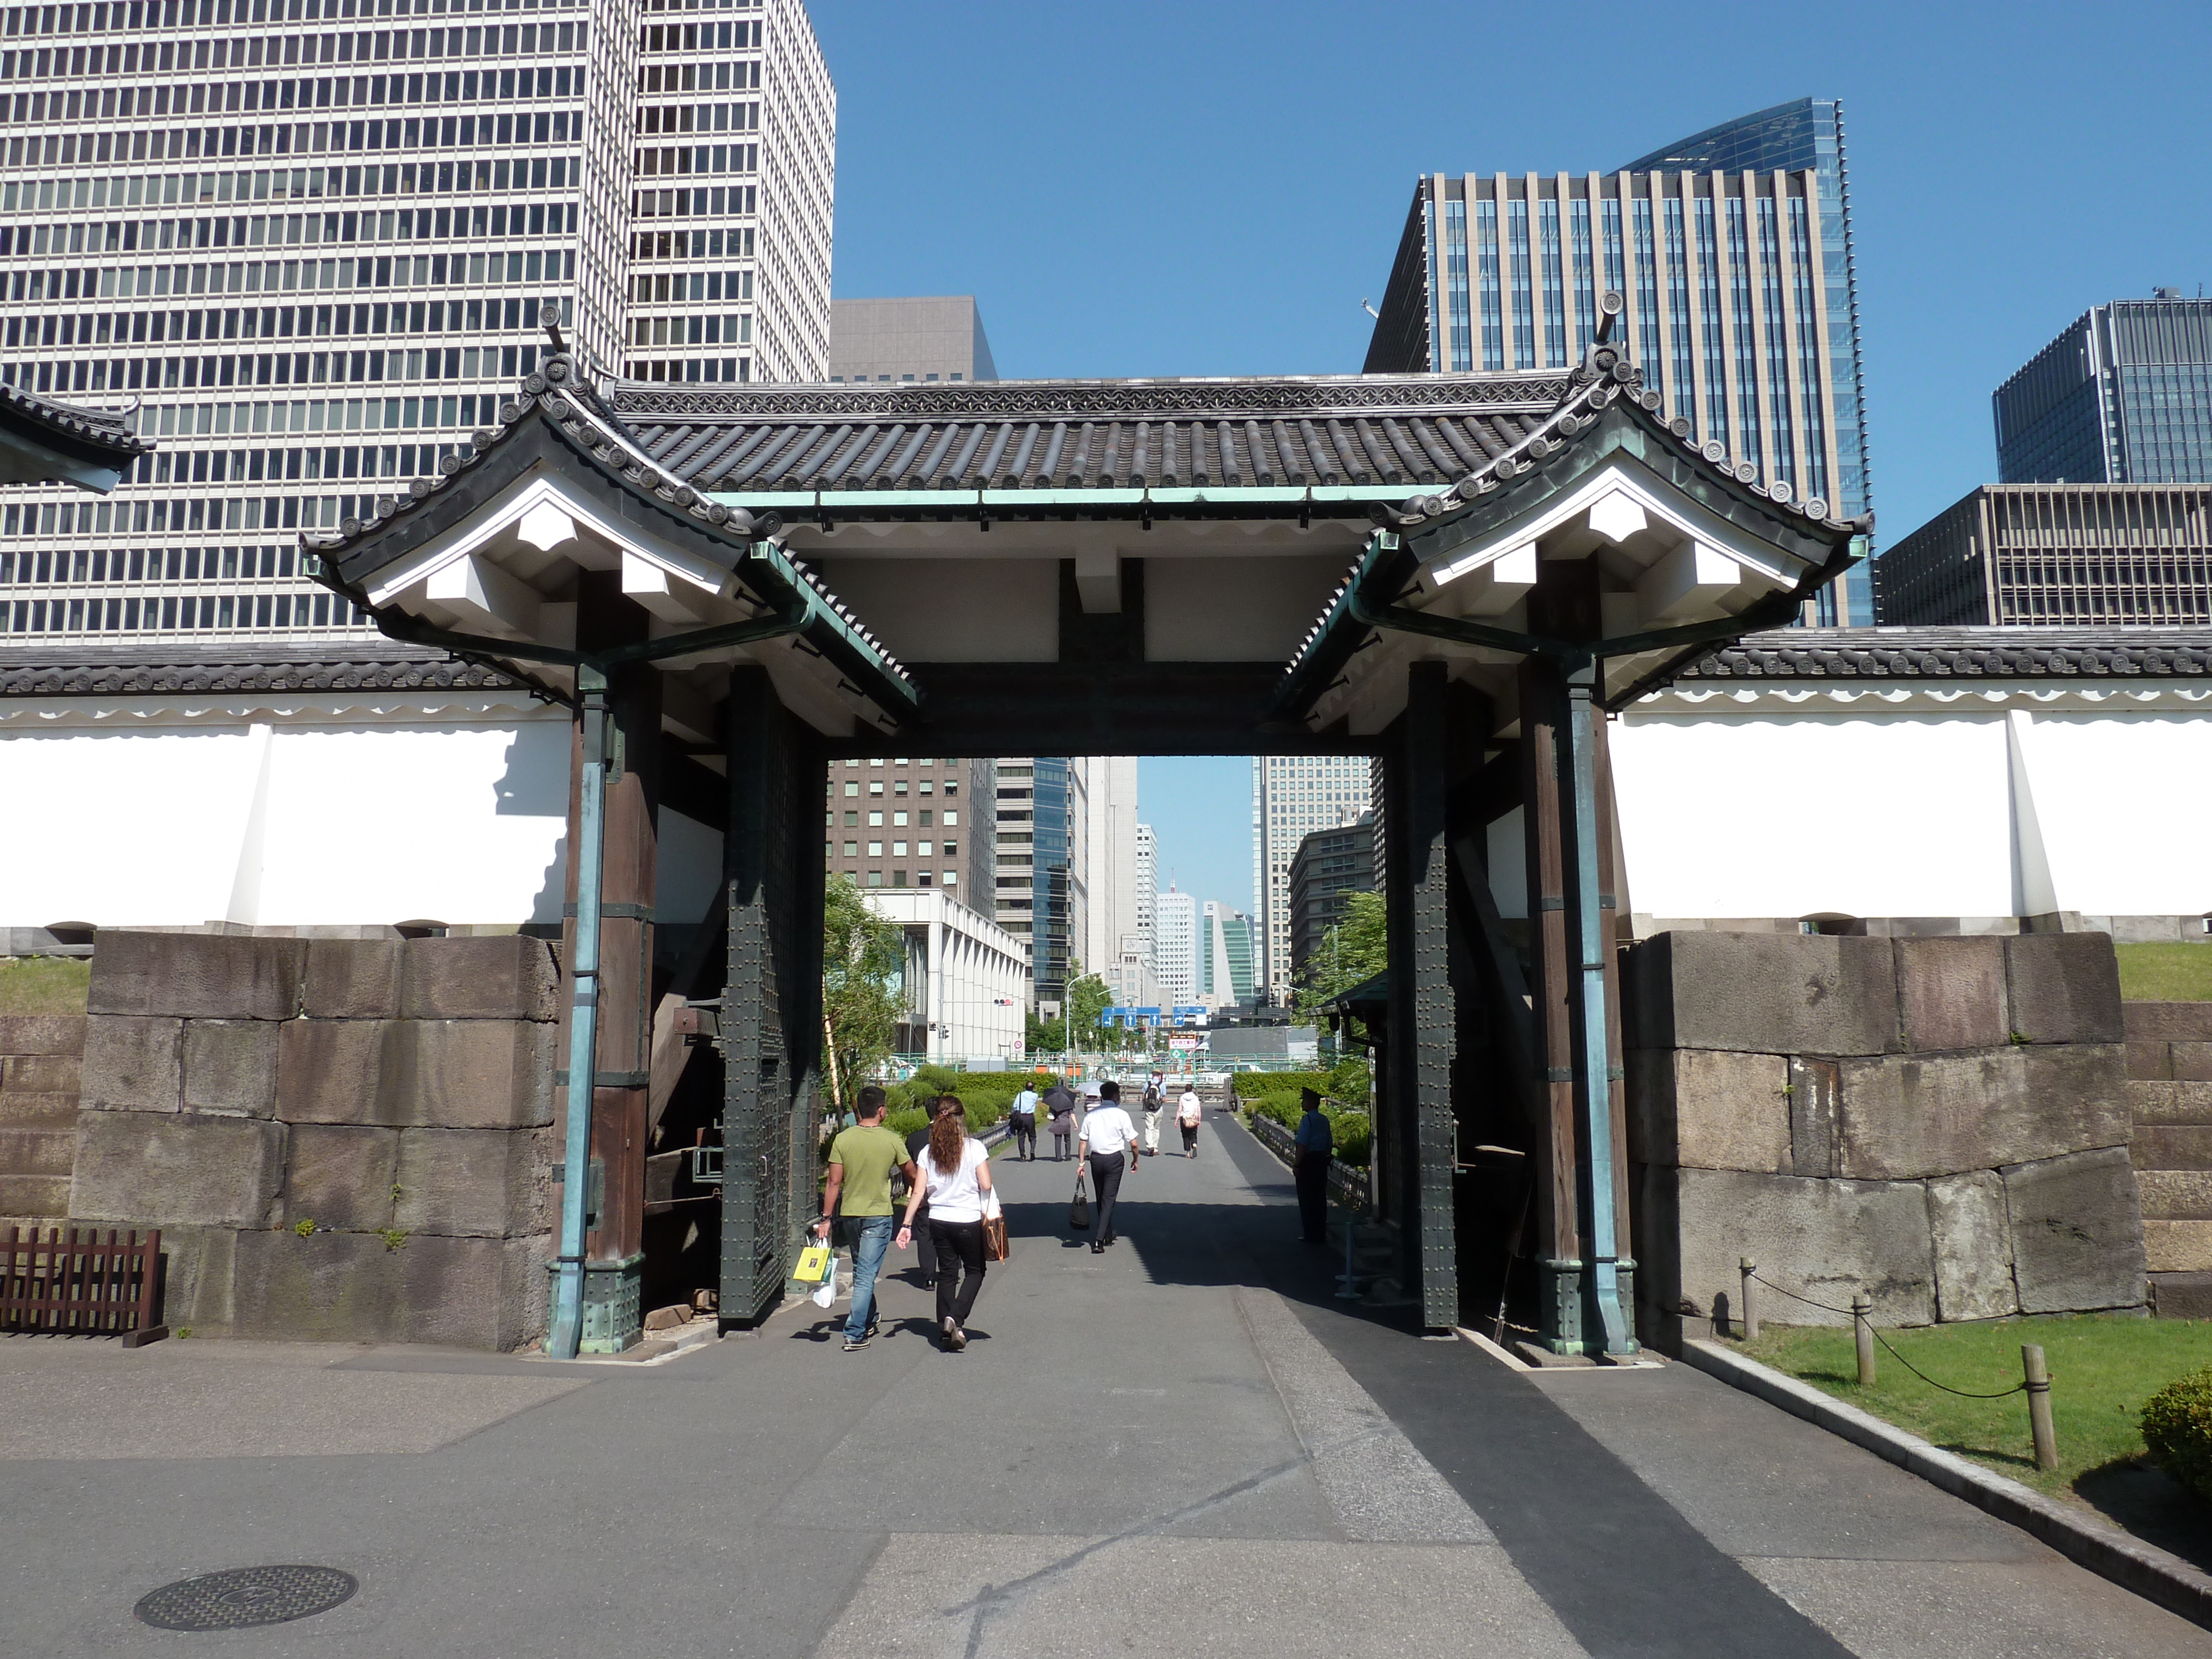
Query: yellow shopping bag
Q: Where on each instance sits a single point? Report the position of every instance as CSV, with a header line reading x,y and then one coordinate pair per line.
x,y
813,1264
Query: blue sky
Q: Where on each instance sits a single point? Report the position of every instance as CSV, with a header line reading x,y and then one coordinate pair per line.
x,y
1210,188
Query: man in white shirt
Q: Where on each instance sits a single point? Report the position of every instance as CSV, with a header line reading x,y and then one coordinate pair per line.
x,y
1109,1145
1023,1116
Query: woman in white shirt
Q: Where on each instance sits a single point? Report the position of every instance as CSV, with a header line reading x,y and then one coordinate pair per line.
x,y
953,1174
1187,1117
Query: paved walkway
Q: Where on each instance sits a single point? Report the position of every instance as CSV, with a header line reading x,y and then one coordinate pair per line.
x,y
1183,1446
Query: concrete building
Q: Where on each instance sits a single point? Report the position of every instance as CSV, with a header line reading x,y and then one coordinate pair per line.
x,y
966,982
1329,864
1733,250
920,340
1119,944
1041,866
315,256
900,822
2123,396
1292,796
2037,555
1174,947
1223,956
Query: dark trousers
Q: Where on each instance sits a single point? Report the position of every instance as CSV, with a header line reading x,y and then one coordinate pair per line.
x,y
959,1261
1190,1136
1024,1136
1062,1140
1312,1172
1106,1170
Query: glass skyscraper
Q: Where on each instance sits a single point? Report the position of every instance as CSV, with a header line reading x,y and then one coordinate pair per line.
x,y
1732,250
2124,395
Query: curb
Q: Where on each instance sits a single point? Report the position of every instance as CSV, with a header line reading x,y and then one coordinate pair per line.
x,y
2104,1549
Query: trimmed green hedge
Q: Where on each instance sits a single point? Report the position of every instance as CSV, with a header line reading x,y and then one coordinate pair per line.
x,y
1354,1131
2177,1427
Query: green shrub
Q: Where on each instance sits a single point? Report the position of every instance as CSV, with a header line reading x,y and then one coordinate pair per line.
x,y
1354,1133
905,1120
2177,1427
1352,1080
1249,1084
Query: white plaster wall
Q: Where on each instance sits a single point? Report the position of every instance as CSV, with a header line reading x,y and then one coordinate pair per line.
x,y
687,869
2124,801
1872,813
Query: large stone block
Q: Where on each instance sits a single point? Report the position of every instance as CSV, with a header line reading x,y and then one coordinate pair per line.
x,y
41,1033
2065,988
2150,1062
1764,994
199,1267
2167,1022
1971,1230
38,1151
34,1195
467,1075
1708,1109
157,1170
341,1175
2171,1146
500,976
2192,1062
1951,994
1823,1239
2177,1246
28,1111
2155,1102
230,1067
2077,1232
1908,1115
2175,1194
477,1183
354,1287
41,1074
327,1070
352,979
2181,1296
203,976
133,1064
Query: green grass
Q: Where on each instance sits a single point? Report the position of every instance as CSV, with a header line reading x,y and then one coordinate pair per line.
x,y
2166,973
43,985
2103,1367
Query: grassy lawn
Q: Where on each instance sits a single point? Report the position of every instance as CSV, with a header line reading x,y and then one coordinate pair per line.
x,y
2103,1367
2166,973
43,985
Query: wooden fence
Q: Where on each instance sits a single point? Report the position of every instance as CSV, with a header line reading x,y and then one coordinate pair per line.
x,y
75,1280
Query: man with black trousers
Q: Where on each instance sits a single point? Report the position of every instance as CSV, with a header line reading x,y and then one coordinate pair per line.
x,y
1316,1144
1109,1144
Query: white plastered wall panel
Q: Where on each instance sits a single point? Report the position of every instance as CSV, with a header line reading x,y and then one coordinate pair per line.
x,y
1887,813
687,869
2124,801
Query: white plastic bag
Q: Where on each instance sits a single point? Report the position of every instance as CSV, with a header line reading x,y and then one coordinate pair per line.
x,y
827,1295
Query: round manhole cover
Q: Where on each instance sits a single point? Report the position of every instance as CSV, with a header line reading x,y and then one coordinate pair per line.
x,y
245,1596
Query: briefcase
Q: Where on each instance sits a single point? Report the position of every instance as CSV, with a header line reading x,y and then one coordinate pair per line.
x,y
1078,1212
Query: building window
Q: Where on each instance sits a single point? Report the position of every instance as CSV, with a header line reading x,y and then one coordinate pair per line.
x,y
875,878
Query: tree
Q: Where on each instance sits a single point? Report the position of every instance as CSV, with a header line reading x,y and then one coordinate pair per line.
x,y
1352,952
1085,998
863,990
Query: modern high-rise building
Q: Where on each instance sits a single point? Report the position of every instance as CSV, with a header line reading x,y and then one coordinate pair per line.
x,y
2124,395
1328,867
908,823
311,239
1147,885
1223,956
934,339
1174,947
1042,865
1114,941
1732,251
1292,796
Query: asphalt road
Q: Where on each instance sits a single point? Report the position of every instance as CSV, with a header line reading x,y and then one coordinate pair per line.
x,y
1184,1445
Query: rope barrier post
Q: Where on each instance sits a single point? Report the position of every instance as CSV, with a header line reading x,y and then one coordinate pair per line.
x,y
2039,1405
1862,1329
1749,1322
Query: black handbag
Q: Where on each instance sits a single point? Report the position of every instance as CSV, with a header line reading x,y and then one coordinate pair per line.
x,y
1078,1212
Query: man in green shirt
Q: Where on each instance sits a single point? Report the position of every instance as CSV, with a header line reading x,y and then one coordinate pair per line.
x,y
861,1159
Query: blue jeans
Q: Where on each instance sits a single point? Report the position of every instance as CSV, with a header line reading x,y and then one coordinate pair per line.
x,y
871,1235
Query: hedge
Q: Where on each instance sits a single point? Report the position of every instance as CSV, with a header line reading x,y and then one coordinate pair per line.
x,y
1354,1131
2177,1427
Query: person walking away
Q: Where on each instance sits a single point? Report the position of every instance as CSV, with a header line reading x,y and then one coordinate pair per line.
x,y
955,1172
1062,1104
1186,1116
914,1145
1110,1143
1316,1142
861,1159
1022,1114
1154,1100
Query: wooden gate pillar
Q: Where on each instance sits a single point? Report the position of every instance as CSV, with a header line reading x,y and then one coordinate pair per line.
x,y
771,1018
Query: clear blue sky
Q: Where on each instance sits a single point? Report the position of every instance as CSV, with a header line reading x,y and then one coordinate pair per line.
x,y
1209,189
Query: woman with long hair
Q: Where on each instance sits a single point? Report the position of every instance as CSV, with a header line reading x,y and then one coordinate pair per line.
x,y
952,1174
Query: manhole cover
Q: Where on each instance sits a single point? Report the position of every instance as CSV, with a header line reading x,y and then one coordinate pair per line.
x,y
245,1596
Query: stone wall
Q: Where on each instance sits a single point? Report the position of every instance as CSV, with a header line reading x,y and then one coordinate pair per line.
x,y
2170,1087
340,1138
1942,1123
39,1064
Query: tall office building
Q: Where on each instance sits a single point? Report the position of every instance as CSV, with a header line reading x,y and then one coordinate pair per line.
x,y
1223,956
312,239
1042,867
1115,942
1732,250
1328,867
932,340
900,822
1292,796
2124,395
1147,884
1174,947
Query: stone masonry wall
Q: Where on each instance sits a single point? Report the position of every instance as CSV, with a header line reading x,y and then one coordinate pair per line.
x,y
38,1060
2170,1087
340,1138
1942,1123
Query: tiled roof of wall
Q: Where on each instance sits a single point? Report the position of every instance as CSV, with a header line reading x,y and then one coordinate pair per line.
x,y
1923,653
154,666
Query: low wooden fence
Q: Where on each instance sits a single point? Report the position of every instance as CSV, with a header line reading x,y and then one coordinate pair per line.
x,y
75,1280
